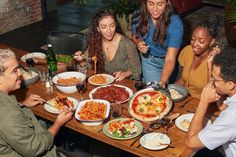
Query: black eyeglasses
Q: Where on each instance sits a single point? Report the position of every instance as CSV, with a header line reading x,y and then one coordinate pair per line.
x,y
213,79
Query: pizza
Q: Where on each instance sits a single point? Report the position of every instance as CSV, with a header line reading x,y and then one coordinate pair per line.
x,y
149,105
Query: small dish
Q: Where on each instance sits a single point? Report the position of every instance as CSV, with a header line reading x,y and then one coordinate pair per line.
x,y
29,78
54,110
178,93
92,122
155,141
35,55
108,79
183,121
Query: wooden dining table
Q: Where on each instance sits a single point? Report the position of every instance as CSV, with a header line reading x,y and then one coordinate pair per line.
x,y
177,136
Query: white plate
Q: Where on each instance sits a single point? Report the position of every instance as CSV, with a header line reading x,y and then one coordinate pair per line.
x,y
109,79
155,141
38,55
92,122
54,110
126,88
189,117
180,119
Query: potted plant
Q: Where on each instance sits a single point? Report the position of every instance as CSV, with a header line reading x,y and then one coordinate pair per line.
x,y
230,21
124,10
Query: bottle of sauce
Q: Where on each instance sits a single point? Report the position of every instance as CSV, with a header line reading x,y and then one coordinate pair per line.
x,y
51,61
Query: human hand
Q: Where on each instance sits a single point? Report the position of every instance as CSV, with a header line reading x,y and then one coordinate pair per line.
x,y
33,100
120,75
213,52
142,47
209,94
79,55
162,84
64,116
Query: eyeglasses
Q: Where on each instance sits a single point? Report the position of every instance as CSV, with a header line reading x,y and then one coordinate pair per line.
x,y
213,79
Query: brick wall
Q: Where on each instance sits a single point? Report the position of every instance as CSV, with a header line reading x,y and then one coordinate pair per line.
x,y
18,13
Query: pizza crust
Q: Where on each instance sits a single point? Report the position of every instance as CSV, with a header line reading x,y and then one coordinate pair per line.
x,y
160,115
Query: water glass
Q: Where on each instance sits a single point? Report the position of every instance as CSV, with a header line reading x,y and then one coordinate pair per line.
x,y
82,67
43,74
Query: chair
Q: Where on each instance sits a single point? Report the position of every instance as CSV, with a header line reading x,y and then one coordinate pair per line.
x,y
65,42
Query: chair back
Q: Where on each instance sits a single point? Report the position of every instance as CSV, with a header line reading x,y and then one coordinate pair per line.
x,y
65,42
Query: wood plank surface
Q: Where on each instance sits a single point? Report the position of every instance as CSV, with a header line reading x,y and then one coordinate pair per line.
x,y
176,135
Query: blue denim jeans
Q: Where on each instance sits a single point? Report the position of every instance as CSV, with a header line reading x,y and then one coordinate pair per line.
x,y
152,68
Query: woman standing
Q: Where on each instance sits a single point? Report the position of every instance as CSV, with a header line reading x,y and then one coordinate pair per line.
x,y
157,33
116,54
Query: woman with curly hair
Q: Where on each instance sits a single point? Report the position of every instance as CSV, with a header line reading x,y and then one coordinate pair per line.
x,y
195,59
116,54
157,33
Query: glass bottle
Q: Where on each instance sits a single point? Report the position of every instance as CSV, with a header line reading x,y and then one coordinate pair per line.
x,y
51,61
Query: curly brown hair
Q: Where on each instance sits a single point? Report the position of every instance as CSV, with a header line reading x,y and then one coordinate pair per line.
x,y
163,22
95,37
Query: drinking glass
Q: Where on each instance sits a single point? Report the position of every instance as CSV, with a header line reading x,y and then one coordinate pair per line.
x,y
139,84
116,110
166,123
29,60
82,66
80,87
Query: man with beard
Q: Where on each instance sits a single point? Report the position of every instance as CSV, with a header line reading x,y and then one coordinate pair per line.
x,y
222,131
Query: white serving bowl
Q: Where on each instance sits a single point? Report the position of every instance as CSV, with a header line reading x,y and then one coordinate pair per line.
x,y
32,78
71,88
92,122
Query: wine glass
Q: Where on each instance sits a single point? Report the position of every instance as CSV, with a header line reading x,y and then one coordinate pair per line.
x,y
29,60
80,87
166,123
139,84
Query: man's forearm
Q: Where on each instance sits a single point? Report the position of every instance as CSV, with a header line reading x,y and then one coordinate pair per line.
x,y
198,119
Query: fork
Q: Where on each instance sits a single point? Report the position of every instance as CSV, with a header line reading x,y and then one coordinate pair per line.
x,y
145,131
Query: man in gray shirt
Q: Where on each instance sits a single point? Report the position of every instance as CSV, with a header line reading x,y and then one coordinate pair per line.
x,y
20,133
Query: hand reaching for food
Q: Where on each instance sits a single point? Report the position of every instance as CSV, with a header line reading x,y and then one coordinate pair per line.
x,y
215,50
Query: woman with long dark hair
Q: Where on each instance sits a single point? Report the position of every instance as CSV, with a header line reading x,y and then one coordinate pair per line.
x,y
157,33
116,54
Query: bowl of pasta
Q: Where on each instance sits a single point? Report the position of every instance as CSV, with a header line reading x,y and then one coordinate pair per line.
x,y
92,112
66,81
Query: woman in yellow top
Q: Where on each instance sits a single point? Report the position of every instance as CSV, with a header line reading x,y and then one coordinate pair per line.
x,y
195,59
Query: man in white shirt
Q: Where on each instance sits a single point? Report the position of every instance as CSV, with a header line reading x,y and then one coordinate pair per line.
x,y
223,131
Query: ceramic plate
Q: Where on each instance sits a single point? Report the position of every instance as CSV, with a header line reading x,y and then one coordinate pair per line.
x,y
155,141
178,93
92,122
126,88
107,133
54,110
179,121
109,79
38,55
